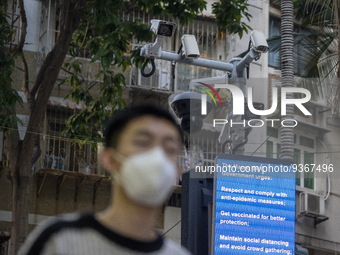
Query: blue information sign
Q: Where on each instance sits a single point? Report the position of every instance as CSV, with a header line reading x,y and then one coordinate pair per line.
x,y
254,202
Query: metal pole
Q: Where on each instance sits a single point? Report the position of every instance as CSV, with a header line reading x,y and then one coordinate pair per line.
x,y
196,61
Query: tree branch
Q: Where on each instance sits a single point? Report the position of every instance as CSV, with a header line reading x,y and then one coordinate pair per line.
x,y
19,50
23,27
49,70
92,84
25,80
67,71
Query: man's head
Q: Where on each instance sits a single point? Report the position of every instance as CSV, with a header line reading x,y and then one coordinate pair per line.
x,y
141,146
139,128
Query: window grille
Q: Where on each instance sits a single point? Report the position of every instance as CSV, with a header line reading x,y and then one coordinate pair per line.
x,y
14,20
206,33
61,153
50,25
200,150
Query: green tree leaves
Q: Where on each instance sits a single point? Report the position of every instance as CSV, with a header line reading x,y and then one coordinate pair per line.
x,y
229,15
104,37
9,97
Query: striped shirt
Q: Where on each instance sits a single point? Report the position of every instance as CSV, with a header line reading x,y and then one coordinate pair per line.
x,y
82,234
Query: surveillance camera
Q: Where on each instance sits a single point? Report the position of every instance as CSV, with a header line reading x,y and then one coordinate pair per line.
x,y
161,27
187,107
258,41
190,47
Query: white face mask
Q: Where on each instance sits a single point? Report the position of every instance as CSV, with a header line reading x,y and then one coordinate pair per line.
x,y
147,178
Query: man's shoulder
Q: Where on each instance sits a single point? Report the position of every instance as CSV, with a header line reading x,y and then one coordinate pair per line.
x,y
82,230
64,221
51,226
174,248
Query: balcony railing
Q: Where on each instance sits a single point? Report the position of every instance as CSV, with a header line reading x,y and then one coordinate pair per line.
x,y
64,154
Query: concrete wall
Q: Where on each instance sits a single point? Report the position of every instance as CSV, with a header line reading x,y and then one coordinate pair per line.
x,y
323,238
259,21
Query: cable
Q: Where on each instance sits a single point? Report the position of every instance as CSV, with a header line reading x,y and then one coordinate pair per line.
x,y
153,69
51,136
246,131
171,228
261,145
77,139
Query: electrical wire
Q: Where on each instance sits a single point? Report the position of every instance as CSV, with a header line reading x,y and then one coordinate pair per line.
x,y
247,131
153,68
171,228
261,145
49,136
78,139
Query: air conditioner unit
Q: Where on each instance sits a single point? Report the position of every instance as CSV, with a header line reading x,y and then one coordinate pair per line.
x,y
311,204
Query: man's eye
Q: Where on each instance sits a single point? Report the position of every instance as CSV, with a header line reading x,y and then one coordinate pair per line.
x,y
142,143
171,150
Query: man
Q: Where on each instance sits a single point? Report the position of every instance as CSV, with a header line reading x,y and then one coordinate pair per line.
x,y
141,149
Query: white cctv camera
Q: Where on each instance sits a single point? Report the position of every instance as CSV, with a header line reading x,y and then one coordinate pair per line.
x,y
190,47
258,41
163,28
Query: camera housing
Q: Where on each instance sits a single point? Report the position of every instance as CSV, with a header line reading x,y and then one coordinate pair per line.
x,y
190,47
258,41
187,107
162,27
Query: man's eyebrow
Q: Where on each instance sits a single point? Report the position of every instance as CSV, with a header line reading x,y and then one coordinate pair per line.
x,y
172,138
143,133
149,134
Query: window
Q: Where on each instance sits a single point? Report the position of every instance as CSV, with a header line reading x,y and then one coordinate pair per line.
x,y
303,154
50,25
270,151
206,34
161,78
207,37
273,148
201,149
306,141
297,160
175,200
274,30
4,240
273,132
278,150
14,19
303,42
61,153
308,176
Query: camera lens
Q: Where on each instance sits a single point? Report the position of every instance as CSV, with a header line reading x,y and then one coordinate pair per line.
x,y
165,29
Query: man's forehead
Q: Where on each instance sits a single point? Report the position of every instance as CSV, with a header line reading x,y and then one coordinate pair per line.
x,y
149,125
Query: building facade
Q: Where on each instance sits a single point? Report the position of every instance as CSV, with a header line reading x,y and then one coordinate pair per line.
x,y
316,140
68,177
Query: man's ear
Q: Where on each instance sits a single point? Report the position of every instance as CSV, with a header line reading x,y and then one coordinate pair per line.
x,y
109,162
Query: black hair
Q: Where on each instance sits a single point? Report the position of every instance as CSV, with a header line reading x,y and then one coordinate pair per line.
x,y
115,126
